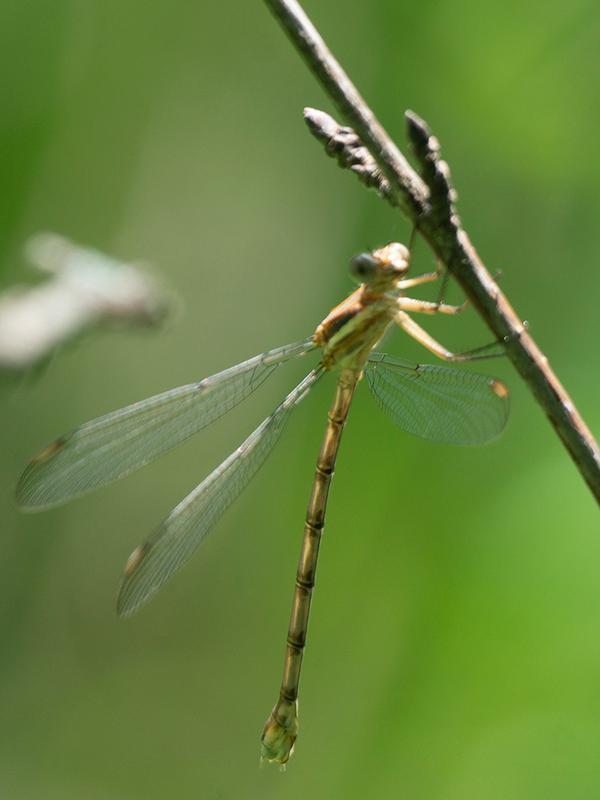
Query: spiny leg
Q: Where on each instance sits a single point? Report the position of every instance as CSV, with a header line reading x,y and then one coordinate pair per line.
x,y
427,307
427,277
444,284
412,238
420,335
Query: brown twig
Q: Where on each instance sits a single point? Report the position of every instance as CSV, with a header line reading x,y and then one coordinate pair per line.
x,y
428,200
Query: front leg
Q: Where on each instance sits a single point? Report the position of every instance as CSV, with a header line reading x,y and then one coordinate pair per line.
x,y
427,307
420,335
427,277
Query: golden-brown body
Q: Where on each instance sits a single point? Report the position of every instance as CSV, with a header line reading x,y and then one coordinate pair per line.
x,y
346,336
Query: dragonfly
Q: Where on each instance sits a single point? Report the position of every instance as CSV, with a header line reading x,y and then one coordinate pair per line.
x,y
439,403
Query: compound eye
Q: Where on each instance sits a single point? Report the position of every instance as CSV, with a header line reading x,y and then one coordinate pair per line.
x,y
363,267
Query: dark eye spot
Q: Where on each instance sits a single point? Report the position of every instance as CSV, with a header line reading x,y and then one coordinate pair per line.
x,y
363,266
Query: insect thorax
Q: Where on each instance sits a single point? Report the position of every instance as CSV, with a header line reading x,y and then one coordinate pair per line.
x,y
348,338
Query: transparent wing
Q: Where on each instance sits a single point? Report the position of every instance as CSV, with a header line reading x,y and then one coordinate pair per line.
x,y
438,403
153,562
114,445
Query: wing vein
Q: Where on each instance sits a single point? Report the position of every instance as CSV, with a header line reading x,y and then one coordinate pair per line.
x,y
439,403
172,544
112,446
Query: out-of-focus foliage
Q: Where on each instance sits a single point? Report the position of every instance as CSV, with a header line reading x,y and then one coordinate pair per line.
x,y
454,651
78,290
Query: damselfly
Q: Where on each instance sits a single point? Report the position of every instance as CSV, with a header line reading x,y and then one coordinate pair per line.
x,y
438,403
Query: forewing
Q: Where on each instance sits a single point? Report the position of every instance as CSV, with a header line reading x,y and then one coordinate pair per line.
x,y
439,403
153,562
118,443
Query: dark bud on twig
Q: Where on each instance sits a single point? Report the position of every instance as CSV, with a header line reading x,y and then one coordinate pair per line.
x,y
434,171
343,144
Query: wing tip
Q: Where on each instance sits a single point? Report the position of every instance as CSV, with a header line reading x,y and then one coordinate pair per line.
x,y
127,603
27,485
21,495
49,451
124,606
25,495
499,388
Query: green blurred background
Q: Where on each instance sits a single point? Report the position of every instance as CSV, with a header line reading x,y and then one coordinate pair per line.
x,y
454,651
